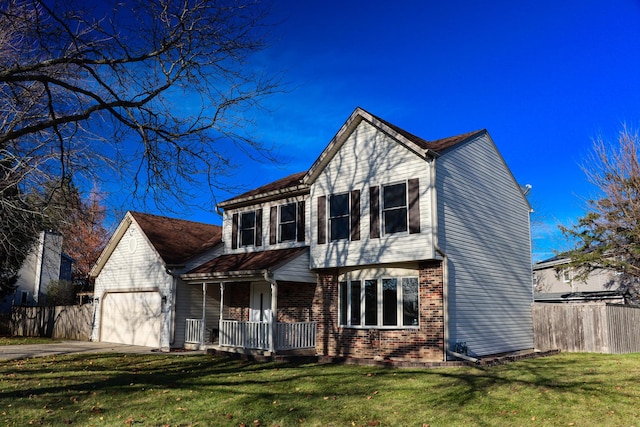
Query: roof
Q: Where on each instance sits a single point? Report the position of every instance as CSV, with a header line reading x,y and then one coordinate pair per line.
x,y
283,185
437,145
579,296
550,262
299,182
177,240
250,263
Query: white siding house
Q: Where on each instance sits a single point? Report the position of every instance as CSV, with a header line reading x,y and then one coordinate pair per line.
x,y
389,247
415,248
139,298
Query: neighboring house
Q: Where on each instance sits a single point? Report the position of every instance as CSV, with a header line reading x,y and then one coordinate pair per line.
x,y
45,263
388,247
138,296
555,281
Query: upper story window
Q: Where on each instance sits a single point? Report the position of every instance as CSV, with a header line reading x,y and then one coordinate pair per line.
x,y
247,228
343,221
394,208
287,225
287,222
339,216
566,275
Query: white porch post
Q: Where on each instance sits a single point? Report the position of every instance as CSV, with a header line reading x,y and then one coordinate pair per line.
x,y
274,315
204,314
221,311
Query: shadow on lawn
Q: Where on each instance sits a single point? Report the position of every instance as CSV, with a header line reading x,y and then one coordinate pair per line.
x,y
56,380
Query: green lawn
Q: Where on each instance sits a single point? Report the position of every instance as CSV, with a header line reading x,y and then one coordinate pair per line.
x,y
190,390
25,340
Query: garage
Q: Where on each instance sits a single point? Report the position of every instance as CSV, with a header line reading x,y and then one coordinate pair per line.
x,y
131,318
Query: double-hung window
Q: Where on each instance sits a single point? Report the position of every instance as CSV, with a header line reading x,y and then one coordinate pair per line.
x,y
339,216
247,228
394,208
287,224
386,302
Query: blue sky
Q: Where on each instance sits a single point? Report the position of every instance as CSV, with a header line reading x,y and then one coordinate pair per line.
x,y
543,77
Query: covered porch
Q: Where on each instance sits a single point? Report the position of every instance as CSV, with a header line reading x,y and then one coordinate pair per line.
x,y
265,302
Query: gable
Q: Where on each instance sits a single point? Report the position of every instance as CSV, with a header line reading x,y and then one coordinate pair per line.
x,y
173,240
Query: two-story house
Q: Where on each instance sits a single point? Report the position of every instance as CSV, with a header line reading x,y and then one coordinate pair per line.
x,y
44,264
389,246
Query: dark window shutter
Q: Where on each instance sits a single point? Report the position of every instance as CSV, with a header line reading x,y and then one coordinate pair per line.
x,y
234,231
374,212
414,206
258,238
322,220
300,221
355,215
273,225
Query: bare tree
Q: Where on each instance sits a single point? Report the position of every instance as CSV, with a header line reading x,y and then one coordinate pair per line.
x,y
155,92
608,236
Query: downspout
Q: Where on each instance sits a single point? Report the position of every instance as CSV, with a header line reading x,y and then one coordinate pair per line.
x,y
445,268
268,276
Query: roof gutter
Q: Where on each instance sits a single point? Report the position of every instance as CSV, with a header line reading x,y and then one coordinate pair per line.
x,y
264,197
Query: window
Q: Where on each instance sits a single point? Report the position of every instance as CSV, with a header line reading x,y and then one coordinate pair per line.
x,y
394,208
339,216
566,275
247,228
388,302
288,222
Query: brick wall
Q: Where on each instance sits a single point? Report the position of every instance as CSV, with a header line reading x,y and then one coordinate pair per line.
x,y
295,301
236,301
423,344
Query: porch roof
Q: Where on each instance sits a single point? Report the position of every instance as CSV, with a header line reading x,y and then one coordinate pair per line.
x,y
243,265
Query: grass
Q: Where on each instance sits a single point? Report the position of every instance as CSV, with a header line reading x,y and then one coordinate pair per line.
x,y
200,390
25,340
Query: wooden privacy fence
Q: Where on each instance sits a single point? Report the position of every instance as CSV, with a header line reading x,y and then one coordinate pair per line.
x,y
587,327
72,322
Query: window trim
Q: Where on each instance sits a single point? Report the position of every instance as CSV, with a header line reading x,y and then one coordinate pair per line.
x,y
294,222
241,229
346,323
331,218
383,222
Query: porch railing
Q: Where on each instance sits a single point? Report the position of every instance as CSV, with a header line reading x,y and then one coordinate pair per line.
x,y
193,331
290,336
256,335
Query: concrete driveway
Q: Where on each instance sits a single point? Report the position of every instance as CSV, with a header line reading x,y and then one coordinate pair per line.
x,y
9,352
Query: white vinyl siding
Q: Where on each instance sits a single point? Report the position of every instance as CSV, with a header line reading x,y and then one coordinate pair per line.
x,y
484,230
296,270
369,158
189,306
134,266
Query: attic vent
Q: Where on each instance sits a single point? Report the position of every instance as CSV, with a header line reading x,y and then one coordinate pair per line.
x,y
133,242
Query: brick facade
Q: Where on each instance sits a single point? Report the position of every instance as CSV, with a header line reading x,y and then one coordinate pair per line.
x,y
236,301
302,302
295,301
423,344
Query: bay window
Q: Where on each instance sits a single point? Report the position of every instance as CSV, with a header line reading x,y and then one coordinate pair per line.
x,y
386,302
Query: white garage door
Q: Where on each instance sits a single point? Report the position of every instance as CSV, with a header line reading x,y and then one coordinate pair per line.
x,y
131,318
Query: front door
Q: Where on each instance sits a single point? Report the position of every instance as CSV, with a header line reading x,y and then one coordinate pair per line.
x,y
260,310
